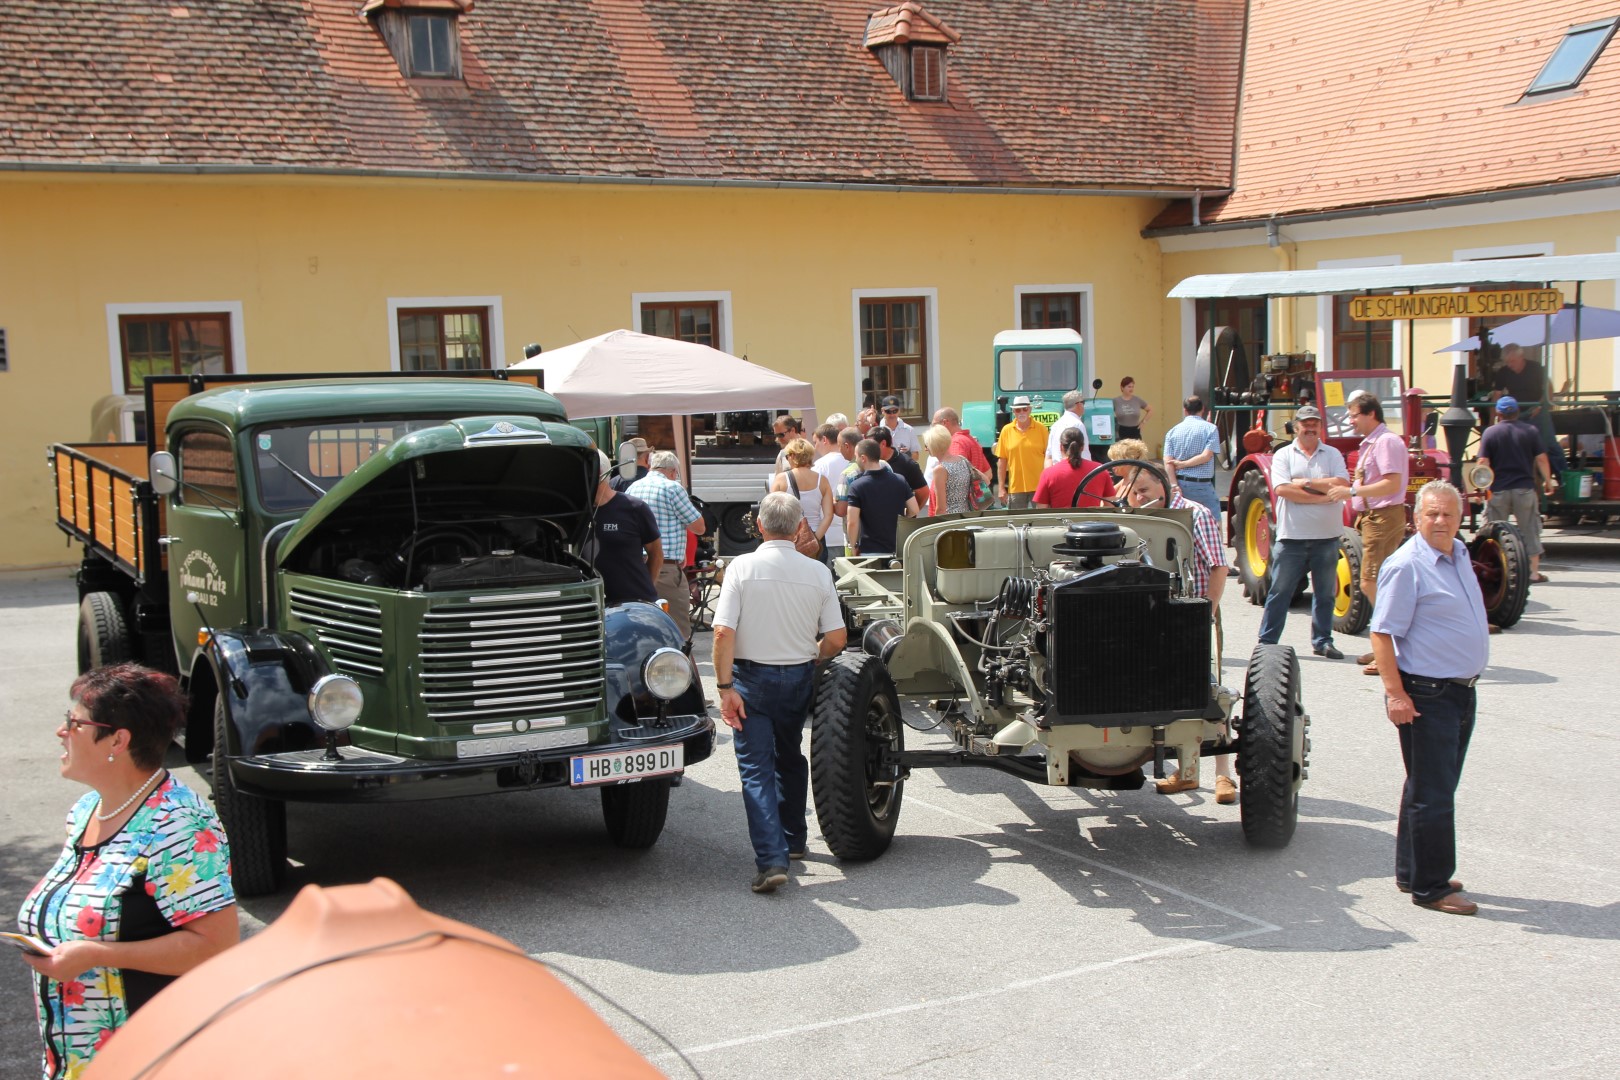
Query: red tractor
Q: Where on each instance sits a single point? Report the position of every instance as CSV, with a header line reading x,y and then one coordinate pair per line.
x,y
1497,549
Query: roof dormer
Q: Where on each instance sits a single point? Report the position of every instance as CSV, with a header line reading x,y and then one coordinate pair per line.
x,y
911,45
423,35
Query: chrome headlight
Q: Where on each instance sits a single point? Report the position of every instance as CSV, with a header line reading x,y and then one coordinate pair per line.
x,y
667,673
335,701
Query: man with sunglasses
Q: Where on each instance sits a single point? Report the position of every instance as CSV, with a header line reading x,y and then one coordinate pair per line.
x,y
901,433
786,428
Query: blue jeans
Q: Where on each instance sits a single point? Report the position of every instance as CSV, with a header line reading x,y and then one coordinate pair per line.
x,y
1290,560
1433,747
1201,492
775,774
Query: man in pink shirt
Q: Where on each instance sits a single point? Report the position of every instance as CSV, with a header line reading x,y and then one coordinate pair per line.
x,y
1377,492
963,442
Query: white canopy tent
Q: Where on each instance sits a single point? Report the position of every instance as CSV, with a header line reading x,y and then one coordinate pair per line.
x,y
626,372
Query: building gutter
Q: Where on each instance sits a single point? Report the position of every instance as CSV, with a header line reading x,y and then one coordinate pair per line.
x,y
463,176
1476,198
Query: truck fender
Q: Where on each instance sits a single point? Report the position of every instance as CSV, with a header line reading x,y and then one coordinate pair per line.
x,y
631,633
264,678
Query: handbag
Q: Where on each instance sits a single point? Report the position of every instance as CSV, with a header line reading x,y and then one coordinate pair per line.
x,y
805,540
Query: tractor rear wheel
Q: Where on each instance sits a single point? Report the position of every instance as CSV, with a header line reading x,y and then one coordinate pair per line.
x,y
1252,527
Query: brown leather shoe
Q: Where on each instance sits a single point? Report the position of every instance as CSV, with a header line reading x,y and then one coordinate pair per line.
x,y
1455,884
1170,785
1370,669
1365,658
1452,904
1225,790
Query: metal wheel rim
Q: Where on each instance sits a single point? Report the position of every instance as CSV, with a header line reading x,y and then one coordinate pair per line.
x,y
1257,538
882,733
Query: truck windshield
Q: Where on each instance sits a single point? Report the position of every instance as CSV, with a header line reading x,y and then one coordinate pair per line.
x,y
1038,369
292,464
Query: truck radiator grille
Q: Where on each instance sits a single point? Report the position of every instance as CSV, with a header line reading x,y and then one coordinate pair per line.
x,y
537,654
349,630
1120,644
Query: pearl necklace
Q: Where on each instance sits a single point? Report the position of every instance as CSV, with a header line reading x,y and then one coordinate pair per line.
x,y
125,805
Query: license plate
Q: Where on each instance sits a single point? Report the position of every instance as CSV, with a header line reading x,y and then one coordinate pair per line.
x,y
627,765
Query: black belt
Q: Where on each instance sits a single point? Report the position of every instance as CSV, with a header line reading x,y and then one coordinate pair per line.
x,y
1196,479
1460,682
761,663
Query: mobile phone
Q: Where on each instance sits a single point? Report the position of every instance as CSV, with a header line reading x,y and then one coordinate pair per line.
x,y
29,944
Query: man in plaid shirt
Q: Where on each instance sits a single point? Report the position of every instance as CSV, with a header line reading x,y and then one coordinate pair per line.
x,y
672,508
1208,569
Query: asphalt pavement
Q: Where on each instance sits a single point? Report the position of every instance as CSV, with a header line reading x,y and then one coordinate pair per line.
x,y
1011,930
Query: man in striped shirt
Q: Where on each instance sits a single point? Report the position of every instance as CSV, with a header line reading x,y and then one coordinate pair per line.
x,y
1207,570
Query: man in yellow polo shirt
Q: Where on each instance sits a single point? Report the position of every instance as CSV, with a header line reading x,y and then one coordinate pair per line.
x,y
1020,456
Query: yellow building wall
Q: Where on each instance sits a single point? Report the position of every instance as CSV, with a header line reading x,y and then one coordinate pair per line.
x,y
314,261
1301,324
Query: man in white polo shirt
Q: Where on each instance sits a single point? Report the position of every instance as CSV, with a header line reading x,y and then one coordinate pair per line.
x,y
1304,475
773,604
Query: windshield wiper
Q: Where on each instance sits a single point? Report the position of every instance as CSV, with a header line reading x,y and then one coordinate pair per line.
x,y
302,479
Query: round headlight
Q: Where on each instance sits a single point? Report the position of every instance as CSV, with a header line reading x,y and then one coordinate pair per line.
x,y
335,701
667,673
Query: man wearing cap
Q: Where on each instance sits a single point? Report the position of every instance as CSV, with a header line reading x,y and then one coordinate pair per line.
x,y
624,544
1513,448
1378,492
1020,456
635,450
1189,455
1074,407
677,520
903,434
1304,474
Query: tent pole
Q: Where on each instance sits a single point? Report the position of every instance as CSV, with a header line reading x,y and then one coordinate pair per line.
x,y
1577,374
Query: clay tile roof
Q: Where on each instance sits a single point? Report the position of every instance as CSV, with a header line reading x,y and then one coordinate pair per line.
x,y
694,91
1361,103
907,23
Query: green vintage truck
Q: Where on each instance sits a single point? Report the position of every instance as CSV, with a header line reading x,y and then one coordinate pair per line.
x,y
371,588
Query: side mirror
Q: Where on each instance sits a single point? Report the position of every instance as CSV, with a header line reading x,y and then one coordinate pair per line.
x,y
165,473
1096,384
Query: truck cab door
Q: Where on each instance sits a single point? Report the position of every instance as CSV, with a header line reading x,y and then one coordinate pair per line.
x,y
205,540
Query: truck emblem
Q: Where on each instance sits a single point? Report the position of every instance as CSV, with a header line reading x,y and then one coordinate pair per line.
x,y
507,432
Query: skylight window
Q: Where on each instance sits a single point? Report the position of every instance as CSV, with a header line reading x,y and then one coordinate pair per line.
x,y
1574,56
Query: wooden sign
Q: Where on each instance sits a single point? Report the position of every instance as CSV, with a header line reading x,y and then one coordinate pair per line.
x,y
1456,305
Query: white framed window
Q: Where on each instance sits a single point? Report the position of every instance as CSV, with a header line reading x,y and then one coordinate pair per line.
x,y
896,348
191,336
445,333
1344,344
702,317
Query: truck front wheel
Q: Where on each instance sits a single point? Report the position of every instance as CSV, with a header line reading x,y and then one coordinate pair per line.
x,y
855,718
1271,747
256,828
103,631
635,813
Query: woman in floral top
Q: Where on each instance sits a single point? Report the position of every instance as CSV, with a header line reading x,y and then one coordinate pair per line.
x,y
141,892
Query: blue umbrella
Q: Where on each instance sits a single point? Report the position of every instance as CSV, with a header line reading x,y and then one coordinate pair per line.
x,y
1557,329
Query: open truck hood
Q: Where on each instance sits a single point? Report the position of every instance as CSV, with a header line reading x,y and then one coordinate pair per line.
x,y
480,466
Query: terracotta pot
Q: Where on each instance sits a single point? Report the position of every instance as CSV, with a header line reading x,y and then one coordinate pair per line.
x,y
437,998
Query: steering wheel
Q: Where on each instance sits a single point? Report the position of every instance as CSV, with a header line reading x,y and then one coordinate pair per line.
x,y
1119,501
464,539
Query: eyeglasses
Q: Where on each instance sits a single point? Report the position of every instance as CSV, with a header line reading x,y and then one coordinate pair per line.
x,y
74,723
891,412
783,434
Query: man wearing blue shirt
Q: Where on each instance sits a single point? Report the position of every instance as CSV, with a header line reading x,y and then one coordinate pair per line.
x,y
1431,641
1189,453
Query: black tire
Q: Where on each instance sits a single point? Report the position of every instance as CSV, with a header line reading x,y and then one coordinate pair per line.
x,y
1252,530
1351,610
1503,567
1271,757
635,813
103,632
256,828
855,717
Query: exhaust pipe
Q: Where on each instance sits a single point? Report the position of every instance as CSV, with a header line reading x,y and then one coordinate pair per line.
x,y
880,639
